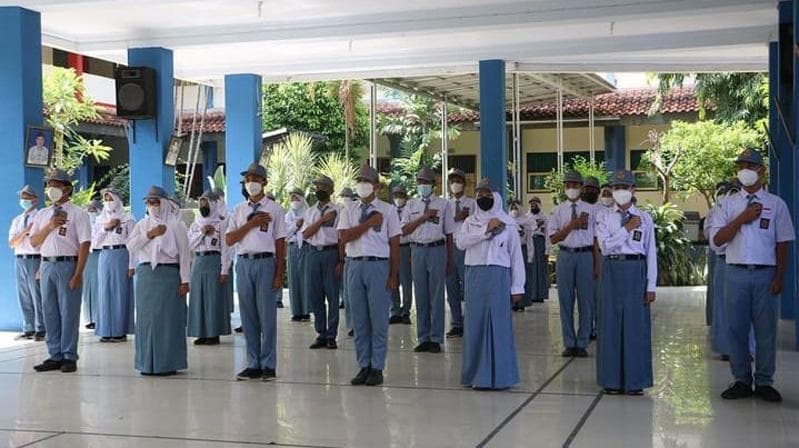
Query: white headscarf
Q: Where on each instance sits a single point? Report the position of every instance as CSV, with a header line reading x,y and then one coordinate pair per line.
x,y
114,210
166,243
214,217
298,213
481,217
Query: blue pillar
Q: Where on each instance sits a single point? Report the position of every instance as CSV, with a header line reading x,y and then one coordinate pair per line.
x,y
616,148
84,173
209,162
493,132
788,79
151,137
20,106
243,134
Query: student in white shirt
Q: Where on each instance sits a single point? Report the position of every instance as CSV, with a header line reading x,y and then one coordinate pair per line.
x,y
91,283
321,281
347,199
224,215
462,206
401,303
524,225
494,280
63,235
428,222
26,266
161,247
370,232
295,218
756,228
538,253
115,302
571,227
626,237
208,308
257,228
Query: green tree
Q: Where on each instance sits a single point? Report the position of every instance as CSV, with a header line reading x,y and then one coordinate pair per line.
x,y
349,95
311,107
66,104
706,151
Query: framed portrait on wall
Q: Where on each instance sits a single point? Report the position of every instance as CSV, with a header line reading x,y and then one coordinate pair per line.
x,y
173,150
38,146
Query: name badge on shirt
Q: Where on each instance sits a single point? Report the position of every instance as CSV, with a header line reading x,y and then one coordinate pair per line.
x,y
585,224
764,223
637,235
434,219
118,230
62,231
214,241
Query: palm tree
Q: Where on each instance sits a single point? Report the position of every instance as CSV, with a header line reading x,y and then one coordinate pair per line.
x,y
290,165
349,93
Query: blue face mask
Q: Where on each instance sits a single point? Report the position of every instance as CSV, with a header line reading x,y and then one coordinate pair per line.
x,y
424,190
25,204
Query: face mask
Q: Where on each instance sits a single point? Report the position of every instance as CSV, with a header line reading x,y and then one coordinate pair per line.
x,y
590,197
55,194
108,205
254,188
622,197
347,201
424,190
400,202
535,209
485,203
364,189
295,205
322,196
25,204
572,193
456,187
748,177
514,213
205,211
606,201
153,210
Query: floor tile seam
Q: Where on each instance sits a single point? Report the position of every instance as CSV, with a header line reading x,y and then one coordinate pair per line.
x,y
580,423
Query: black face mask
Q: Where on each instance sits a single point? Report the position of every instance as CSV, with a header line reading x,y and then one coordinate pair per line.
x,y
485,203
322,195
205,211
534,210
590,197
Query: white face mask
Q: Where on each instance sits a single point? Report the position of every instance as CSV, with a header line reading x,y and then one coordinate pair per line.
x,y
748,177
622,197
254,188
347,201
153,210
607,202
364,189
400,202
55,194
514,213
572,193
456,187
295,205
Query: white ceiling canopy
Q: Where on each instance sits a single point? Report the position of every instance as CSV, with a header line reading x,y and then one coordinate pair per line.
x,y
367,39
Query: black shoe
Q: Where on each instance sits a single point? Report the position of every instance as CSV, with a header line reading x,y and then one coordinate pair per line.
x,y
341,306
331,344
319,343
593,336
375,377
69,366
635,392
40,336
306,317
423,347
736,391
239,329
568,353
25,336
394,320
455,333
361,377
724,358
200,341
514,308
170,373
351,333
105,339
580,353
297,318
435,347
279,304
90,326
119,338
212,341
768,393
609,391
249,374
48,365
268,375
406,320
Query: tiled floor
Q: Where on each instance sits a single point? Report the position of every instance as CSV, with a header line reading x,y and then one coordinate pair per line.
x,y
107,404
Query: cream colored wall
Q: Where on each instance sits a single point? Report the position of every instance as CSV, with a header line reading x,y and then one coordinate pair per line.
x,y
575,139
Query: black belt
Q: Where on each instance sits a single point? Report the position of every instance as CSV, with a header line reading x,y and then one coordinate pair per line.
x,y
257,256
405,245
751,267
722,256
96,250
292,243
207,253
626,257
367,258
168,265
54,259
114,247
433,244
577,249
324,248
29,256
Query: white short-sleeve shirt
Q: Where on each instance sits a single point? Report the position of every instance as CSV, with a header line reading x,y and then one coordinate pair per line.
x,y
260,239
431,231
66,240
373,243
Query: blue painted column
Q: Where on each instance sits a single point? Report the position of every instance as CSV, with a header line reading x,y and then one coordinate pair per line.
x,y
493,132
20,106
788,168
243,134
209,162
616,148
84,173
148,143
